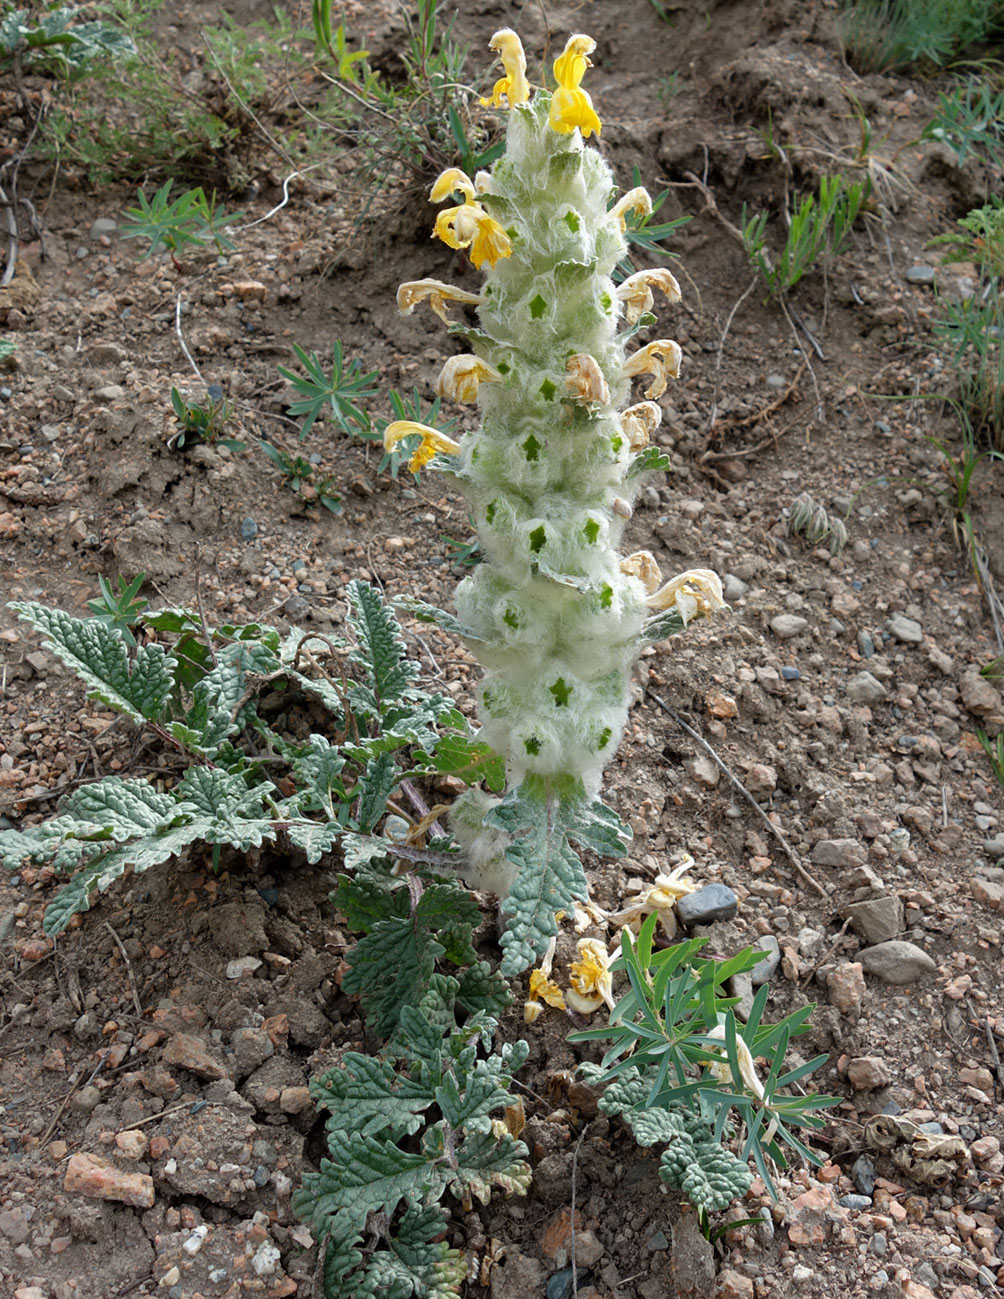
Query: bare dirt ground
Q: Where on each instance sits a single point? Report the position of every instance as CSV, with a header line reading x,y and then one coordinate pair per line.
x,y
132,1039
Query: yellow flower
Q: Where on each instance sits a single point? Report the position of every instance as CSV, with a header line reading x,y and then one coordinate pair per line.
x,y
643,566
662,895
571,107
585,383
513,87
432,442
636,200
659,359
436,293
461,375
468,225
698,591
542,987
638,423
636,291
590,977
450,181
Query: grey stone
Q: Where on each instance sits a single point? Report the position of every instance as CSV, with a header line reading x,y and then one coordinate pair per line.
x,y
865,689
657,1242
713,902
995,846
787,625
777,382
842,853
560,1285
733,588
863,1173
855,1201
866,1072
769,962
249,529
103,226
876,919
896,961
978,695
741,986
920,275
242,965
791,674
866,645
110,392
905,629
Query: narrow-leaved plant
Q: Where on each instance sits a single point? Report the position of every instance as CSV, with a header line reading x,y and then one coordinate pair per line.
x,y
556,614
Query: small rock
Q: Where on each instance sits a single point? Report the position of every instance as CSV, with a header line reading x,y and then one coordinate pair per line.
x,y
867,646
863,1174
769,962
876,919
589,1249
866,1072
703,770
733,588
713,902
249,529
865,689
978,696
787,625
14,1225
842,853
897,962
905,630
846,986
266,1259
171,1277
733,1285
87,1099
560,1285
102,226
189,1052
294,1100
242,965
30,1292
855,1201
252,1047
196,1240
110,392
920,275
791,674
657,1242
91,1176
989,893
721,705
132,1143
777,381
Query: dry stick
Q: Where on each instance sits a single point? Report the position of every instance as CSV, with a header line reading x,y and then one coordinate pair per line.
x,y
721,346
998,1067
230,86
827,954
990,591
69,1095
128,964
10,220
181,340
575,1169
738,785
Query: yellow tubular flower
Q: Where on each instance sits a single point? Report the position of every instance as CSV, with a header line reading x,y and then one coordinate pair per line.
x,y
636,291
450,181
436,293
637,200
461,375
660,359
585,383
470,226
661,896
638,423
571,107
747,1069
432,442
698,591
513,87
542,987
590,977
642,565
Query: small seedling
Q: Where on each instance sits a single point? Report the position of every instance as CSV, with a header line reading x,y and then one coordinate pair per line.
x,y
120,610
970,120
191,218
346,386
7,348
812,521
202,422
462,554
304,478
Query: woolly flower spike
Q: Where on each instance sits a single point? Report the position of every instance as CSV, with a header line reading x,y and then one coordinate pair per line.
x,y
636,291
747,1069
698,591
468,225
436,293
643,566
662,896
513,87
461,375
585,383
543,988
638,423
591,980
659,359
432,442
638,201
571,107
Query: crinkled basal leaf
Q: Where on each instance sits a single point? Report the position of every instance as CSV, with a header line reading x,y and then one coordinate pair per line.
x,y
623,1093
469,759
212,716
103,870
652,1125
482,988
551,877
365,1095
472,1107
478,1163
363,1175
380,652
649,461
99,656
315,837
317,773
710,1176
375,786
125,808
415,1263
391,966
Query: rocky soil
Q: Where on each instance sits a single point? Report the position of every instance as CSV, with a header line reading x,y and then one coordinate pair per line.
x,y
154,1116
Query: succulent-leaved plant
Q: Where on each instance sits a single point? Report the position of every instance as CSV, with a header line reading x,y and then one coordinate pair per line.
x,y
555,613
